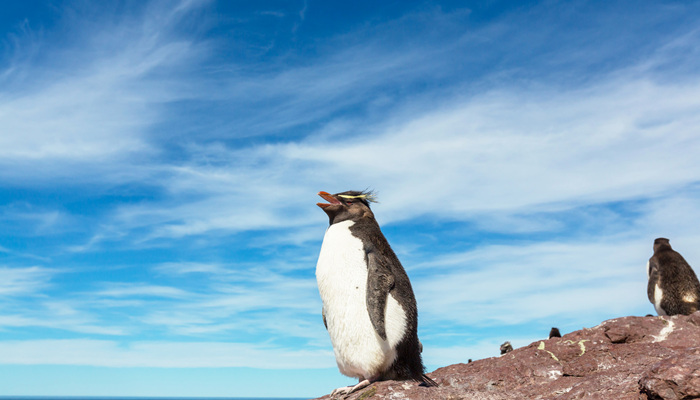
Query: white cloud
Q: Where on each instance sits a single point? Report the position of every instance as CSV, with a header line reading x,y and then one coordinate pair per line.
x,y
96,103
107,353
182,268
275,304
514,284
507,156
675,215
476,150
33,220
23,281
135,289
512,151
61,318
220,301
499,153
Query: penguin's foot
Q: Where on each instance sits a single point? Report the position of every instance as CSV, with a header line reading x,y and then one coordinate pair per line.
x,y
347,390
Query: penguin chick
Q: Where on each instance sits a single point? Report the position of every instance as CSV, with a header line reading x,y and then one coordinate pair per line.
x,y
554,332
506,348
673,286
368,303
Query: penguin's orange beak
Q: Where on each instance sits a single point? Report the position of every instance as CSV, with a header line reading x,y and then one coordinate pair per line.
x,y
329,198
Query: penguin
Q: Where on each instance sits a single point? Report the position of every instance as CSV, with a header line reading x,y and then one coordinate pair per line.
x,y
554,332
369,307
506,348
673,286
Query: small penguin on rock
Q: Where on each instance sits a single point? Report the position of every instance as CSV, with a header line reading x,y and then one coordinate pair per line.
x,y
673,286
506,348
554,332
368,304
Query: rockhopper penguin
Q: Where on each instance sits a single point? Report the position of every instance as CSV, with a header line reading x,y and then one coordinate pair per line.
x,y
506,348
673,286
368,304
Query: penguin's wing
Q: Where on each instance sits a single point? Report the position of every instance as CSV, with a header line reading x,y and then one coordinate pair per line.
x,y
653,272
380,281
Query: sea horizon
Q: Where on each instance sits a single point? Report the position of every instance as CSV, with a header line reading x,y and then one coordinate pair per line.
x,y
2,397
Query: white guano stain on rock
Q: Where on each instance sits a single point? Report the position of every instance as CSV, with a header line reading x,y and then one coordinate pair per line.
x,y
663,334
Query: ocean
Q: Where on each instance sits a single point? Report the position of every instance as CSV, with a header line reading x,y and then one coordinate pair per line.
x,y
142,398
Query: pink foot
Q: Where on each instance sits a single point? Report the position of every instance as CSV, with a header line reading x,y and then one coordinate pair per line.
x,y
346,391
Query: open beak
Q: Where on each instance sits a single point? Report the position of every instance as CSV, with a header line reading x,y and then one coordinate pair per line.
x,y
329,198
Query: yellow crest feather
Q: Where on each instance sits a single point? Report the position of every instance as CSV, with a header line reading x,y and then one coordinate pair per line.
x,y
365,196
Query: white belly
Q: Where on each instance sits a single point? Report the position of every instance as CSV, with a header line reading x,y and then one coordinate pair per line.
x,y
658,294
341,273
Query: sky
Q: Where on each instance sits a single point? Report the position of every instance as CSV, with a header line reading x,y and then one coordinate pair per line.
x,y
160,163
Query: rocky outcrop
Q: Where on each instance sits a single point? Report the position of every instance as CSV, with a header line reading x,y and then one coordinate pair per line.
x,y
640,358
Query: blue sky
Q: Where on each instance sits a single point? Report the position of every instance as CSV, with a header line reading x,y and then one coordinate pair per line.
x,y
159,164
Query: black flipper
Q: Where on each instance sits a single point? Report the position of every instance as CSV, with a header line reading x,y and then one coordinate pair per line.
x,y
380,281
653,278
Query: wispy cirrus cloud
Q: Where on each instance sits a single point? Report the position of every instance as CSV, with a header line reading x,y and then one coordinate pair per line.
x,y
479,148
231,303
135,289
159,354
97,102
80,324
517,126
510,285
31,302
24,281
235,299
497,153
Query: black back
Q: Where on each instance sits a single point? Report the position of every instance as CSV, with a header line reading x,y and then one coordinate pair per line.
x,y
408,364
675,277
554,332
506,348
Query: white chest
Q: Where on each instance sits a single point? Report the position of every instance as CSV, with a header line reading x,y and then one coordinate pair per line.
x,y
341,268
658,295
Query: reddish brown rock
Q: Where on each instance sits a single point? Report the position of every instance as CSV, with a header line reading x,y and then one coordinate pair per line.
x,y
676,377
640,358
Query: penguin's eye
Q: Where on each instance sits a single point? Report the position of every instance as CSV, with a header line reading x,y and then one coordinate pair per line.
x,y
348,202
